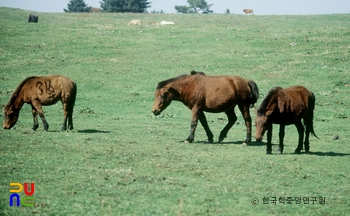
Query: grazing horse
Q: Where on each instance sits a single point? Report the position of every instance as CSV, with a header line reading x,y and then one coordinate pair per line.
x,y
33,18
38,91
248,11
214,94
134,22
285,107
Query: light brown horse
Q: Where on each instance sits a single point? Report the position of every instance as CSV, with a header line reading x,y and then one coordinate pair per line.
x,y
214,94
38,91
285,107
248,11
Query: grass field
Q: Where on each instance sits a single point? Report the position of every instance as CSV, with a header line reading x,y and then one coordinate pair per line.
x,y
122,160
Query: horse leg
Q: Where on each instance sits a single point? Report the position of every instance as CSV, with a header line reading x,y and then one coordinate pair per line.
x,y
70,120
269,139
38,108
204,123
307,134
65,114
248,122
232,118
300,129
194,123
281,136
35,118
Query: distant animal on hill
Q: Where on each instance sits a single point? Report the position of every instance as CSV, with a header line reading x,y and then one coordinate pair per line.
x,y
134,22
248,11
166,23
95,10
33,18
38,91
285,107
214,94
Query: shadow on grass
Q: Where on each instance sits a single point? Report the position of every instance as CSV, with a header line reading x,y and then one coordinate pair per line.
x,y
92,131
223,143
331,154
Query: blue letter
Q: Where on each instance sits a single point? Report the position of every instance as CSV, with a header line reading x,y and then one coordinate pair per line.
x,y
17,200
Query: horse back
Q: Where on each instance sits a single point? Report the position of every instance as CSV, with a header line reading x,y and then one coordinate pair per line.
x,y
47,89
221,92
297,100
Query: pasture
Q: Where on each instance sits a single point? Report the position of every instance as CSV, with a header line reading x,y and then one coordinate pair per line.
x,y
120,159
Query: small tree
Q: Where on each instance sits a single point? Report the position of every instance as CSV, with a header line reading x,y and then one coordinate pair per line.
x,y
195,6
77,6
133,6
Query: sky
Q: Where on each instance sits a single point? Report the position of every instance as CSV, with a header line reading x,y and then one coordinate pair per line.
x,y
260,7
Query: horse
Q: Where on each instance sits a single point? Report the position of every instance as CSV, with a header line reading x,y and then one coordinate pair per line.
x,y
214,94
134,22
33,18
248,11
38,91
285,107
167,23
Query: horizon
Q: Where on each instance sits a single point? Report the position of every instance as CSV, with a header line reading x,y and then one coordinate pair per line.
x,y
268,7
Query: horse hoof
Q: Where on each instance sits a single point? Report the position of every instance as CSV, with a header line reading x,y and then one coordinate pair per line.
x,y
210,141
279,152
244,144
297,151
188,141
268,152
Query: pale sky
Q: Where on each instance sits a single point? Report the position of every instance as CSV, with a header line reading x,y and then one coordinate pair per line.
x,y
260,7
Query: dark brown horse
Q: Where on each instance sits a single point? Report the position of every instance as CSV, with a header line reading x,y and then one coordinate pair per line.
x,y
38,91
285,107
214,94
33,18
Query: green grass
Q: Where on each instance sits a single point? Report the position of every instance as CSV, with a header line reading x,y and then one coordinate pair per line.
x,y
122,160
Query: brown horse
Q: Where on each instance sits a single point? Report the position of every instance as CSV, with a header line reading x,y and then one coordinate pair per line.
x,y
285,107
38,91
214,94
248,11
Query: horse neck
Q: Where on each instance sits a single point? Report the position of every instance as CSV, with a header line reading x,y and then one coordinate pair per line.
x,y
18,101
182,87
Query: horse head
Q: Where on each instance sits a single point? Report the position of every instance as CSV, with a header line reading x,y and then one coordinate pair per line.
x,y
162,99
261,126
11,116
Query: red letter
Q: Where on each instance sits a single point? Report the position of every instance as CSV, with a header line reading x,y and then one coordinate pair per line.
x,y
26,189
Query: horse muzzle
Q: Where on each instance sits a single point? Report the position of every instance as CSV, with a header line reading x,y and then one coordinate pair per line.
x,y
7,127
258,139
156,112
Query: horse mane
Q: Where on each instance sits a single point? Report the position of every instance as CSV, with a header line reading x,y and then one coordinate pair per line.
x,y
197,72
262,108
17,90
166,82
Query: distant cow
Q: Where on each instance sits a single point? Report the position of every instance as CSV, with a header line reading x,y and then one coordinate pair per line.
x,y
33,18
166,23
134,22
248,11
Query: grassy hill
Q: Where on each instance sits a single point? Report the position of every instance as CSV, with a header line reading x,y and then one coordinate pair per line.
x,y
122,160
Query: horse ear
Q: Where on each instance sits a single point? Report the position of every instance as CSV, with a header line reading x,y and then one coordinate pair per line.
x,y
173,91
268,113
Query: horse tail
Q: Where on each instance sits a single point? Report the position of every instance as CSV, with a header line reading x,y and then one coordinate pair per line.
x,y
254,92
312,101
73,96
